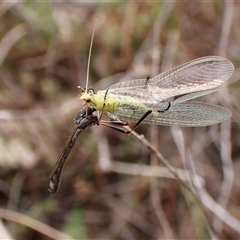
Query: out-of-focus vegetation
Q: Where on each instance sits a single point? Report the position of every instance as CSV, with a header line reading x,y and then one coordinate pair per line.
x,y
112,187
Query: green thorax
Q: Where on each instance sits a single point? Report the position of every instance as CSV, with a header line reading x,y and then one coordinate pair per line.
x,y
112,101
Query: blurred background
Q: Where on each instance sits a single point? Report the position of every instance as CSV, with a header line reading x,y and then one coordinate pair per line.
x,y
112,186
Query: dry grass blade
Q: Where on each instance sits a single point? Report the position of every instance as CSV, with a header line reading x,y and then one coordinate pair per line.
x,y
33,224
10,39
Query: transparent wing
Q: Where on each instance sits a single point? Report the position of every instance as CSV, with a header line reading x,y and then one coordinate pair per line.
x,y
195,114
193,95
198,75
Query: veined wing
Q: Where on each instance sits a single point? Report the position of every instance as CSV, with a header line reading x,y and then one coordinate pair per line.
x,y
194,95
198,75
193,114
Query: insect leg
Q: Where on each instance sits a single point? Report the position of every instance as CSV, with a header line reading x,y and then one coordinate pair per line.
x,y
167,108
141,119
104,104
147,80
113,122
147,113
119,129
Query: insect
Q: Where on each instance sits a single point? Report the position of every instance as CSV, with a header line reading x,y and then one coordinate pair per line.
x,y
150,100
82,122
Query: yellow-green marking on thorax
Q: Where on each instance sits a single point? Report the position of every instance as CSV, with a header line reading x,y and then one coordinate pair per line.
x,y
112,101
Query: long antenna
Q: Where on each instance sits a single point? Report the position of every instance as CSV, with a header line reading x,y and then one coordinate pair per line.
x,y
89,56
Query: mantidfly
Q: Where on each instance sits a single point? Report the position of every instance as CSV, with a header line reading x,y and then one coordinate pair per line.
x,y
149,101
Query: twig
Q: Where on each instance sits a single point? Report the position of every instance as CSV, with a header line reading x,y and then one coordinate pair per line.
x,y
5,5
206,200
14,196
156,53
214,207
33,224
150,171
226,26
133,217
160,157
228,175
4,233
10,39
104,163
